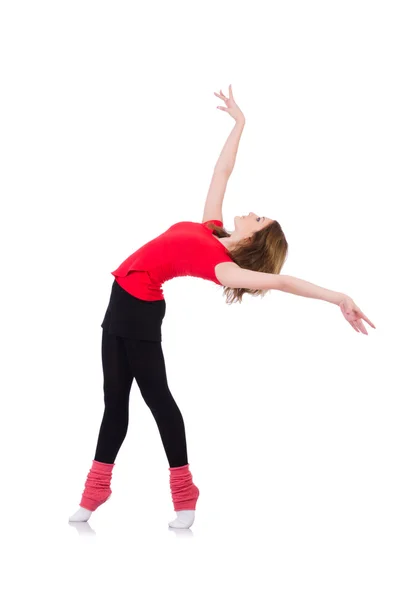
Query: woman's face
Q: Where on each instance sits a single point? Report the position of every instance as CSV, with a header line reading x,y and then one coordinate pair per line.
x,y
246,225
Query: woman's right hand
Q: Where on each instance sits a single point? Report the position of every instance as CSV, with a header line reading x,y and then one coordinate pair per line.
x,y
353,315
231,107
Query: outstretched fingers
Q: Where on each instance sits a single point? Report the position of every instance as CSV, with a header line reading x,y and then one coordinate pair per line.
x,y
358,326
362,315
361,326
222,97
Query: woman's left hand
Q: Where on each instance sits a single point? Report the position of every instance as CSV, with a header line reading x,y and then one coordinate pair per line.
x,y
353,315
231,106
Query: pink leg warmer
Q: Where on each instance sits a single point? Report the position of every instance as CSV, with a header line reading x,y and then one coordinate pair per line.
x,y
97,487
184,492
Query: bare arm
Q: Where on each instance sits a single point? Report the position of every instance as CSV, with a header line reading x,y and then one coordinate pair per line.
x,y
214,201
222,171
227,157
231,275
300,287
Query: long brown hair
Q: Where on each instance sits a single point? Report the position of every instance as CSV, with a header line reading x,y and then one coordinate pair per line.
x,y
266,251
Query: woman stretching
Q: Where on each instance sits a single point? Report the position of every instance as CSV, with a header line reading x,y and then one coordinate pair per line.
x,y
247,260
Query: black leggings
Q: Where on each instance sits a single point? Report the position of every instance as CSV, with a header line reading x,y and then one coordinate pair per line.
x,y
122,360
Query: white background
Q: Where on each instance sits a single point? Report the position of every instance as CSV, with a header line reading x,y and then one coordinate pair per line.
x,y
109,135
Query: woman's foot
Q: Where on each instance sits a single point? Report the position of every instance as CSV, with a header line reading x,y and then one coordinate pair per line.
x,y
96,492
83,514
184,519
184,496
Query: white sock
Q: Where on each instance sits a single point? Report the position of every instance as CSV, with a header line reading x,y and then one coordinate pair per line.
x,y
83,514
184,519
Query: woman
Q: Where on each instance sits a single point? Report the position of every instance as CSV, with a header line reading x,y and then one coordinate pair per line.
x,y
247,260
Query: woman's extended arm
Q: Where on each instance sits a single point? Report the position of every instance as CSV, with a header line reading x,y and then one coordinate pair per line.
x,y
352,313
227,157
301,287
231,275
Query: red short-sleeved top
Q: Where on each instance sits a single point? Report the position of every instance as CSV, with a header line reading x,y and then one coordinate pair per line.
x,y
185,249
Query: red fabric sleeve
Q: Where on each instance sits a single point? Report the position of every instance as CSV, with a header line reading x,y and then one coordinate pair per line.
x,y
215,221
